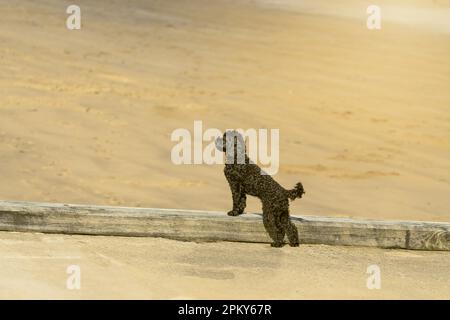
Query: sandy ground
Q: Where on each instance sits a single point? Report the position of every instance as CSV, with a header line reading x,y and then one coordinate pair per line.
x,y
86,116
35,265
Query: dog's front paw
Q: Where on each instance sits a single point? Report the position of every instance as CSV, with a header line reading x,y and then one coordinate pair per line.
x,y
294,244
234,213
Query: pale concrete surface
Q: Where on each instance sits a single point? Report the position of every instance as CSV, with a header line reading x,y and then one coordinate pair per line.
x,y
35,265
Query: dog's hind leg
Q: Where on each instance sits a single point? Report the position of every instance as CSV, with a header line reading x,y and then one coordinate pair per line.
x,y
290,229
274,228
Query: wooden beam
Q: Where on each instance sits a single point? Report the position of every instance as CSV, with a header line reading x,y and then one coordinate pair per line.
x,y
200,226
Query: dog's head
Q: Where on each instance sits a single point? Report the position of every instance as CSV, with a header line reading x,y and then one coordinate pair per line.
x,y
233,144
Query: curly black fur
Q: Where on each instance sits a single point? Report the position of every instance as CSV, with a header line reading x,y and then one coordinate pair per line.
x,y
245,177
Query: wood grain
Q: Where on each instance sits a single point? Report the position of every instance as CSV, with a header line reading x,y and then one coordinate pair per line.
x,y
202,226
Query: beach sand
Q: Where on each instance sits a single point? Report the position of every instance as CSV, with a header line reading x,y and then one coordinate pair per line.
x,y
86,117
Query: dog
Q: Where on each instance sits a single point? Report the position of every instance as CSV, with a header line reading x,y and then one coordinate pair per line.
x,y
246,178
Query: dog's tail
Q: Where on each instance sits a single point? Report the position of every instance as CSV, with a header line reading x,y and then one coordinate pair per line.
x,y
297,192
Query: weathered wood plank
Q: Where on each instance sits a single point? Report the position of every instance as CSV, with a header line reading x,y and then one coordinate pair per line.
x,y
191,225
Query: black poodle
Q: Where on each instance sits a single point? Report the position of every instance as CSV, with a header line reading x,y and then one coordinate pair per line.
x,y
245,177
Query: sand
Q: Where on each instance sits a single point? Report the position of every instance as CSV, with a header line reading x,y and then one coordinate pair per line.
x,y
86,117
35,266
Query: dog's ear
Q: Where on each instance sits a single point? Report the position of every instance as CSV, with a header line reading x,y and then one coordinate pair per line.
x,y
235,147
240,148
228,139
